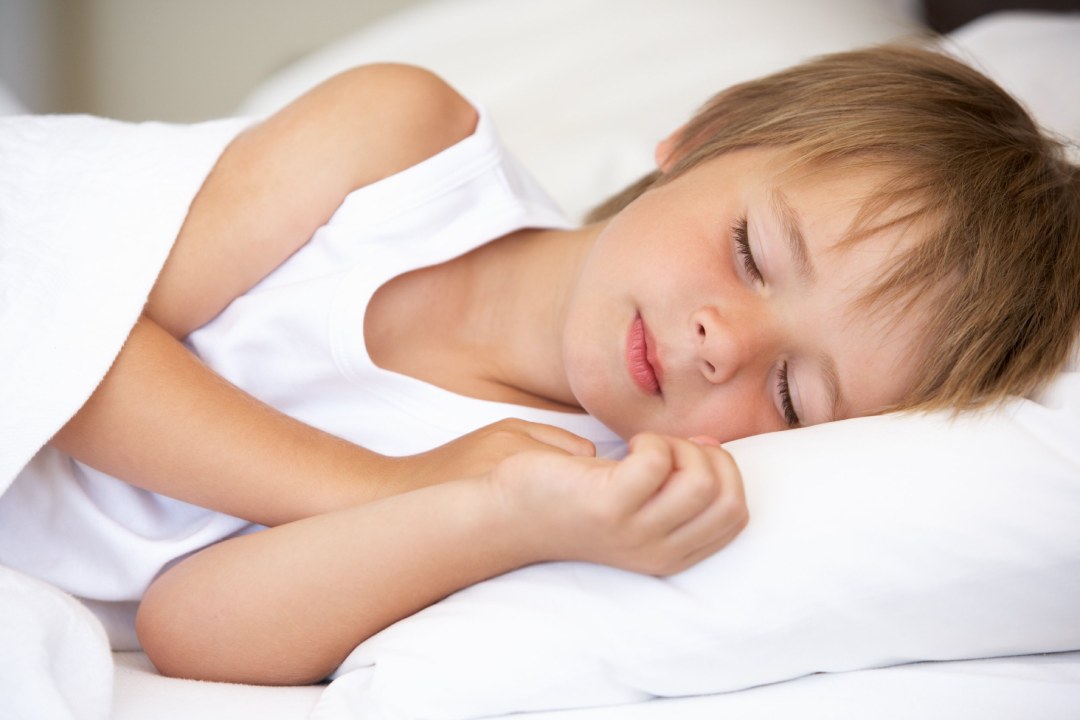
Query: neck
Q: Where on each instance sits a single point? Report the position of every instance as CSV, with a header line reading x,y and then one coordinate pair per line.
x,y
520,288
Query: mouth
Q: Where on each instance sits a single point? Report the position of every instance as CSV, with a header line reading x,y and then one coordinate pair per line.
x,y
641,358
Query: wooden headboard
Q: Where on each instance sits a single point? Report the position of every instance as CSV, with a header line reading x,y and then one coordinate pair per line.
x,y
946,15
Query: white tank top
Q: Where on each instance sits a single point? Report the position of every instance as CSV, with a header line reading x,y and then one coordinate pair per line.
x,y
296,341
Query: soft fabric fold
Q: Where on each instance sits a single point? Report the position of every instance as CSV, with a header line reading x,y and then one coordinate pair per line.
x,y
89,209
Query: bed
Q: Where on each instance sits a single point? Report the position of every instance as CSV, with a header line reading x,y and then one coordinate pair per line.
x,y
895,567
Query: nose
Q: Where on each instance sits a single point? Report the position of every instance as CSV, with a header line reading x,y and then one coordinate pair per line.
x,y
728,343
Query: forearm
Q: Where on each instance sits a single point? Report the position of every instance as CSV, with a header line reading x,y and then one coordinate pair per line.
x,y
286,605
163,421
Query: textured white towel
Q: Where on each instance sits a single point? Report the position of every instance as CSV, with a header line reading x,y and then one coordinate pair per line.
x,y
89,209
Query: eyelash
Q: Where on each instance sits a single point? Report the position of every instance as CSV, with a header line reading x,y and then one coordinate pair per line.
x,y
785,396
742,244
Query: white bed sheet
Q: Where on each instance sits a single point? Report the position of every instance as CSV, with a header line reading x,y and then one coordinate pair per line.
x,y
1044,687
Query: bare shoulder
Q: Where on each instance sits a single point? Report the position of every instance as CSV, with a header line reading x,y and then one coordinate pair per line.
x,y
410,113
282,178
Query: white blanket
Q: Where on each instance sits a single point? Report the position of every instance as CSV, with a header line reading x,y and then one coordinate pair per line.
x,y
89,210
55,662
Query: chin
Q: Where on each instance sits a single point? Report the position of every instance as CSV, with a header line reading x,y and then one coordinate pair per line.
x,y
595,398
621,420
598,388
619,426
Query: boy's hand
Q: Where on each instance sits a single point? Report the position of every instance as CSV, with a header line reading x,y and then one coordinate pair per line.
x,y
669,504
478,452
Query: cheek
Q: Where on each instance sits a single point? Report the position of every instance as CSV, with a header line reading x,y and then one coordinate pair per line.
x,y
729,414
721,426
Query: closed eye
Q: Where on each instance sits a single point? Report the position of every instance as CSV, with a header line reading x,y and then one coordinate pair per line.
x,y
741,235
790,416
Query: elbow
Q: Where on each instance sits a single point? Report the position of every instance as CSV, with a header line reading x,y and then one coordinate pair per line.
x,y
172,637
196,636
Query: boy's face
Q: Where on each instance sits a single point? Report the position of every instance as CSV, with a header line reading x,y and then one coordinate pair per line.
x,y
676,326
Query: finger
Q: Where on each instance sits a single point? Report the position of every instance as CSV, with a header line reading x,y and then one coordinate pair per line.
x,y
708,534
559,438
732,491
719,524
730,498
644,470
704,536
692,487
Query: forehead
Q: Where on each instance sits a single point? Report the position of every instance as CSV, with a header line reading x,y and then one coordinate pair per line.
x,y
840,188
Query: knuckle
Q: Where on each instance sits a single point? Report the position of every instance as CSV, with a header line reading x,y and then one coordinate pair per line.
x,y
505,438
654,463
503,434
505,425
646,441
701,489
728,463
734,507
734,516
742,518
515,465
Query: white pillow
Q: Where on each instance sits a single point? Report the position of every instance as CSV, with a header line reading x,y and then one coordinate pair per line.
x,y
1035,57
872,542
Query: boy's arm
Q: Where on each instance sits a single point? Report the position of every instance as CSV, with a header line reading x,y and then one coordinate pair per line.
x,y
165,422
282,179
286,605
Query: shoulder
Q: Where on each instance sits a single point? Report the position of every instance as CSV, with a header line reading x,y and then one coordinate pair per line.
x,y
398,114
406,88
282,178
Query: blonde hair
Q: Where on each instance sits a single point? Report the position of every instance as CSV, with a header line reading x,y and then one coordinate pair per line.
x,y
996,199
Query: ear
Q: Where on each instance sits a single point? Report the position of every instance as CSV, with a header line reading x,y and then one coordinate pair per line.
x,y
665,151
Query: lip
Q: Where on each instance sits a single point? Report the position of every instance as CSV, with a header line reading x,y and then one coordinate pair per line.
x,y
641,359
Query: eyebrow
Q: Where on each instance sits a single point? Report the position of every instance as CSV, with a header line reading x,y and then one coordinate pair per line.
x,y
789,221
